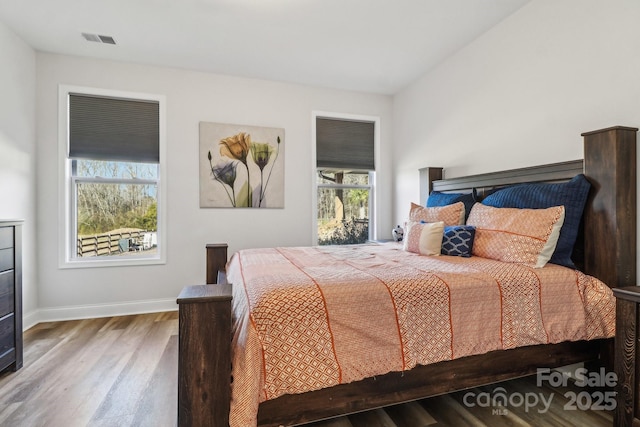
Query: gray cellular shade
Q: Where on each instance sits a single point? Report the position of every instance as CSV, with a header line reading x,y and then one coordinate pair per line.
x,y
114,129
344,144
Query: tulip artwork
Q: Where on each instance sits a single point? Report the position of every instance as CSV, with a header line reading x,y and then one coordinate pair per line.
x,y
241,166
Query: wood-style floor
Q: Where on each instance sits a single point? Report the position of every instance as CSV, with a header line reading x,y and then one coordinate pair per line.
x,y
122,371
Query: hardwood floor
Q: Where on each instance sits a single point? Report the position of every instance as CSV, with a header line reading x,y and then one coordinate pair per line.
x,y
122,371
119,371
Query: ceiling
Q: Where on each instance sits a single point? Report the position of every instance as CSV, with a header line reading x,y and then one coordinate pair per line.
x,y
376,46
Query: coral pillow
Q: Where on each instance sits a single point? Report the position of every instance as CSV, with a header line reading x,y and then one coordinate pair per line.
x,y
572,195
436,198
424,238
526,236
450,214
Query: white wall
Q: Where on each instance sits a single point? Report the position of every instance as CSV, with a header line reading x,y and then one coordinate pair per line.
x,y
17,151
521,94
191,97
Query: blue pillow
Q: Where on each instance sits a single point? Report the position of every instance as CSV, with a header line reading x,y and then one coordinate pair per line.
x,y
572,195
436,198
458,240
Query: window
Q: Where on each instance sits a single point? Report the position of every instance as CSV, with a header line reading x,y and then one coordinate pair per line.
x,y
345,177
112,152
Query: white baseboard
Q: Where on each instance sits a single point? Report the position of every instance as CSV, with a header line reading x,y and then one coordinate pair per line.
x,y
29,320
76,312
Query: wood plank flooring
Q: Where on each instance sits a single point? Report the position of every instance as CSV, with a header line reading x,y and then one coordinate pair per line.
x,y
122,371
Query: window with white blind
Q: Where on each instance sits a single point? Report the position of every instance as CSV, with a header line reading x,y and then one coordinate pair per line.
x,y
345,178
112,146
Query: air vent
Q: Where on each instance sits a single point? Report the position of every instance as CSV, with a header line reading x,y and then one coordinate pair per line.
x,y
107,39
98,38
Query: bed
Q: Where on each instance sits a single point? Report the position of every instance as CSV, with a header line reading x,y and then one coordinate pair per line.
x,y
605,249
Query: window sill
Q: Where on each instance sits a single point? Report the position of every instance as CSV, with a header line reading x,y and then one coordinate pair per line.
x,y
115,262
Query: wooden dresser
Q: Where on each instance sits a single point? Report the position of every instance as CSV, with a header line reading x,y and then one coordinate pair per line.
x,y
10,295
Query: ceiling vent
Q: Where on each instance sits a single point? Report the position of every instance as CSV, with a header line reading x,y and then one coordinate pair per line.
x,y
98,38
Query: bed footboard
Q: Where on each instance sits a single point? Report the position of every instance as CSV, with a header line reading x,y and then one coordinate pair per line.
x,y
204,353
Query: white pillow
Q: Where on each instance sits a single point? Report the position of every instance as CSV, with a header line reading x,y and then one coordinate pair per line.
x,y
424,238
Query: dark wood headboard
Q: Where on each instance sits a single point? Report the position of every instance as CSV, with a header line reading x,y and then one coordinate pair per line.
x,y
606,247
555,172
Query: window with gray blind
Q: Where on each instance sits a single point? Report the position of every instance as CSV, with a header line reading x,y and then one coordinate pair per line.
x,y
345,163
113,150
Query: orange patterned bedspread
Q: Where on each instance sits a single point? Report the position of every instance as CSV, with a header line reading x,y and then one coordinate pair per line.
x,y
313,317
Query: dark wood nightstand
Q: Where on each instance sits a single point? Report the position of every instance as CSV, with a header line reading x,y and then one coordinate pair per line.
x,y
627,411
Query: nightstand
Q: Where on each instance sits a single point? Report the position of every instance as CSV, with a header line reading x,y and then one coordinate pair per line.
x,y
627,411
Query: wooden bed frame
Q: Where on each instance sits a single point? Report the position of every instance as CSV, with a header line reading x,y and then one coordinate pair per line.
x,y
606,250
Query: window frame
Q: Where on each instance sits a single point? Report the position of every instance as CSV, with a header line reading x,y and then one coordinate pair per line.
x,y
67,233
316,185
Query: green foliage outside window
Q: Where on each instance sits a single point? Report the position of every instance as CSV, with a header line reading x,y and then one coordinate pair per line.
x,y
116,198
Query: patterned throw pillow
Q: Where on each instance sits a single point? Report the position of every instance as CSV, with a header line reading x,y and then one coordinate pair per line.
x,y
526,236
572,195
424,238
437,198
450,214
458,240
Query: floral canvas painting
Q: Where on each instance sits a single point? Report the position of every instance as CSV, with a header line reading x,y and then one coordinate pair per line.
x,y
241,166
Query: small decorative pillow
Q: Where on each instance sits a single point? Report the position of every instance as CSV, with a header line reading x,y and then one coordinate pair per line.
x,y
458,240
450,214
527,236
424,238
